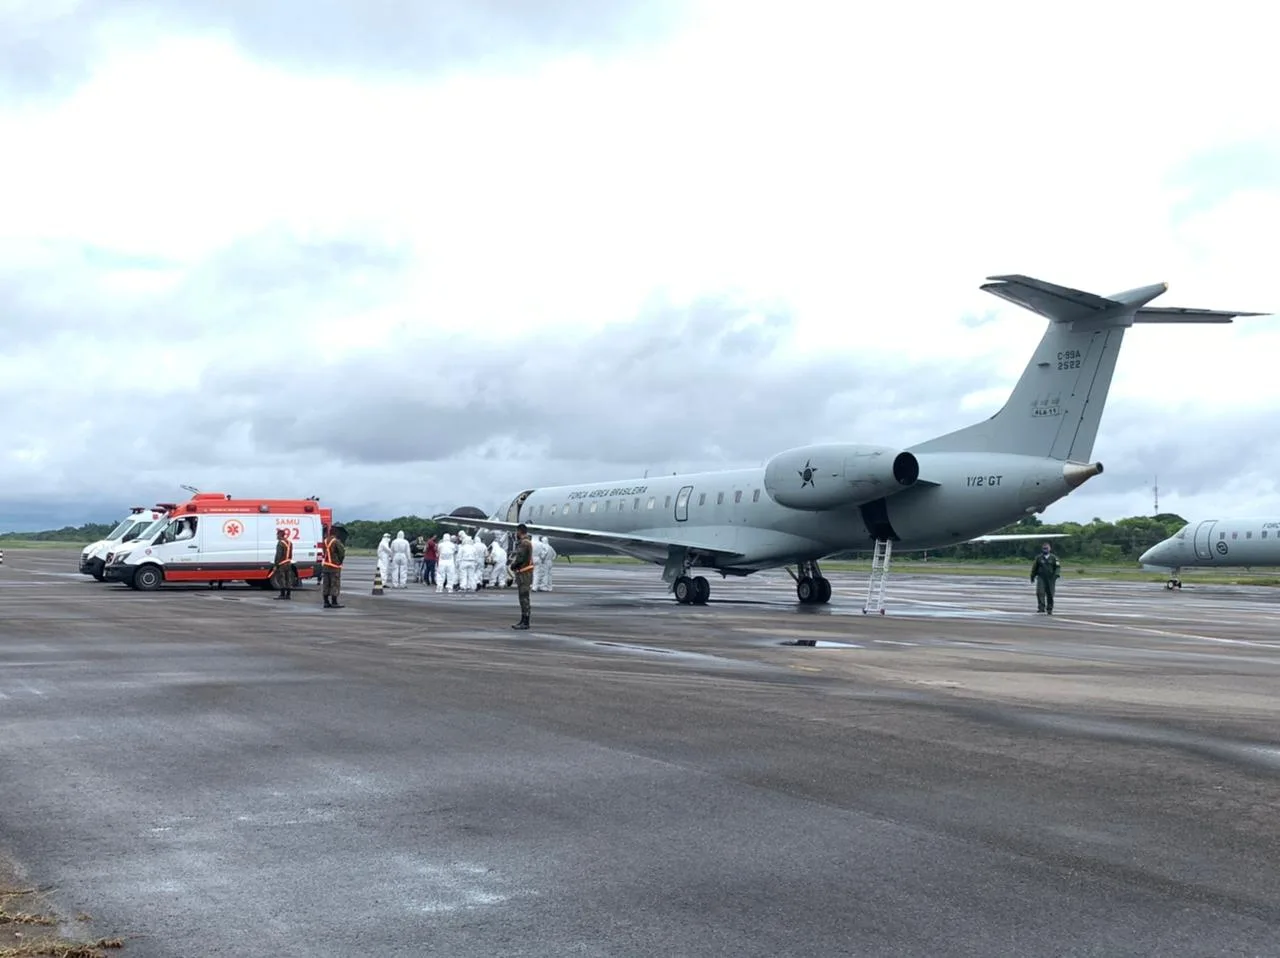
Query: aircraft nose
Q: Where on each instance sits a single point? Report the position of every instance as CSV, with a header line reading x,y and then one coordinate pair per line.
x,y
1150,554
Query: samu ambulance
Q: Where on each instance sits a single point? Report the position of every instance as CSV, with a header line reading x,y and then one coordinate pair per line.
x,y
214,538
93,558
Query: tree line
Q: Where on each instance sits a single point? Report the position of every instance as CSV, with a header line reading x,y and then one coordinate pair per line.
x,y
1120,541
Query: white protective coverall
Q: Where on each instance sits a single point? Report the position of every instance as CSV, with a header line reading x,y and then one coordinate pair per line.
x,y
501,577
384,556
400,562
539,557
478,552
466,563
542,574
446,567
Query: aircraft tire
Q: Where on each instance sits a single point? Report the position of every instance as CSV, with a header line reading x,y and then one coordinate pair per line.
x,y
806,591
701,590
824,591
684,590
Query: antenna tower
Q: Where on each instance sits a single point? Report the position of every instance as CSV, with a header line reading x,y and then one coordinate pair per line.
x,y
1155,492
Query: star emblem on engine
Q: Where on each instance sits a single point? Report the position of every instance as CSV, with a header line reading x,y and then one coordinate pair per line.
x,y
806,475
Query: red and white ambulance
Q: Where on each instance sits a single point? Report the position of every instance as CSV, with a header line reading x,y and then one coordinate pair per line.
x,y
215,538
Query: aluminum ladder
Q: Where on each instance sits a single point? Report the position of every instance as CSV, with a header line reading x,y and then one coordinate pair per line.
x,y
879,577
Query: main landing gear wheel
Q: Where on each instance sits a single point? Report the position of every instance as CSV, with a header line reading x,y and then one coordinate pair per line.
x,y
1173,584
812,587
692,591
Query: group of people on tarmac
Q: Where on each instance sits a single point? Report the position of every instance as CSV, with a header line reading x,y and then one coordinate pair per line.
x,y
459,563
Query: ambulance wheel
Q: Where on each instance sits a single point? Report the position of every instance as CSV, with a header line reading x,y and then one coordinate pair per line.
x,y
99,575
701,590
148,578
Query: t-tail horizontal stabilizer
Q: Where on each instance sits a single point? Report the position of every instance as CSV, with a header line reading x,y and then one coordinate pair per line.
x,y
1061,304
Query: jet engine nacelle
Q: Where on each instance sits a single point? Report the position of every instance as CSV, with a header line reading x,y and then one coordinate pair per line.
x,y
841,474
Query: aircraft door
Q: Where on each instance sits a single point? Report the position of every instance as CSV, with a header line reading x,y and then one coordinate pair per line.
x,y
1204,531
513,510
682,503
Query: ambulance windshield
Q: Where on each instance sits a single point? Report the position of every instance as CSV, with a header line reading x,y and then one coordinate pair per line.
x,y
136,527
152,530
119,530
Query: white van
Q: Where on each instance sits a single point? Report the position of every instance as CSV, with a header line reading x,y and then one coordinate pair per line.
x,y
93,558
216,539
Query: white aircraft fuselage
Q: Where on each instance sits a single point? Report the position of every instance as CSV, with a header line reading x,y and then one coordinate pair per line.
x,y
815,501
732,514
1209,543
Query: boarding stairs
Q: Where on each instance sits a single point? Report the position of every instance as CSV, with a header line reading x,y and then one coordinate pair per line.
x,y
879,577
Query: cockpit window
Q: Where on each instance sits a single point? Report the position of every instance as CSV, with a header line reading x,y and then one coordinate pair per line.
x,y
1182,533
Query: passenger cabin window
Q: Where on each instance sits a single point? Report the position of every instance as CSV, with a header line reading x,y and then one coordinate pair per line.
x,y
1235,535
579,508
755,496
702,498
553,512
651,502
636,507
737,496
593,506
1248,535
1221,536
667,504
607,504
719,498
1264,533
566,508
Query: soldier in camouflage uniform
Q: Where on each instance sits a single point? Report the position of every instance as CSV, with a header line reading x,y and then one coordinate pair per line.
x,y
1044,573
331,579
521,566
283,576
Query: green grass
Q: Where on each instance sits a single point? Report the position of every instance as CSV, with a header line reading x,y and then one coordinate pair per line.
x,y
19,543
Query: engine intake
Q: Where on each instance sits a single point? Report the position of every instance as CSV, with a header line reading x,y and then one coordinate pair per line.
x,y
841,474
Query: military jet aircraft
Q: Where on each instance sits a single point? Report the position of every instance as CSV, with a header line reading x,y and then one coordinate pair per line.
x,y
1206,543
815,501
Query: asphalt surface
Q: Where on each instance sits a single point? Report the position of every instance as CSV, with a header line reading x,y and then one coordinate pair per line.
x,y
211,772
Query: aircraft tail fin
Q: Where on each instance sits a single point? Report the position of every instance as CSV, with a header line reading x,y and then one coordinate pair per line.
x,y
1056,407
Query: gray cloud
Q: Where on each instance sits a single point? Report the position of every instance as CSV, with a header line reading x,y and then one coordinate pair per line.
x,y
698,384
272,277
45,53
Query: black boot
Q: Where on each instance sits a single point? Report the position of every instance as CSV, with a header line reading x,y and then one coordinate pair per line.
x,y
281,595
327,603
288,593
522,624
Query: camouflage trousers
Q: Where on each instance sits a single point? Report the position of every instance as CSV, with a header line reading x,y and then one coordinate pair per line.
x,y
284,576
524,584
331,582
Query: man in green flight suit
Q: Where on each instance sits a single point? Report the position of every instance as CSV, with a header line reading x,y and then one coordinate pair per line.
x,y
1044,573
521,566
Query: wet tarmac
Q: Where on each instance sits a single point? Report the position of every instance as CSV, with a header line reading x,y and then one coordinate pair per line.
x,y
212,772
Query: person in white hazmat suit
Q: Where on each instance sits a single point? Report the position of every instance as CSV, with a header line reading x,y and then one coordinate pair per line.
x,y
446,564
501,574
466,563
400,562
539,557
384,556
542,573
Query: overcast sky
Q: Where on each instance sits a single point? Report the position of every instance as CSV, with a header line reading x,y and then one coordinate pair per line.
x,y
410,256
